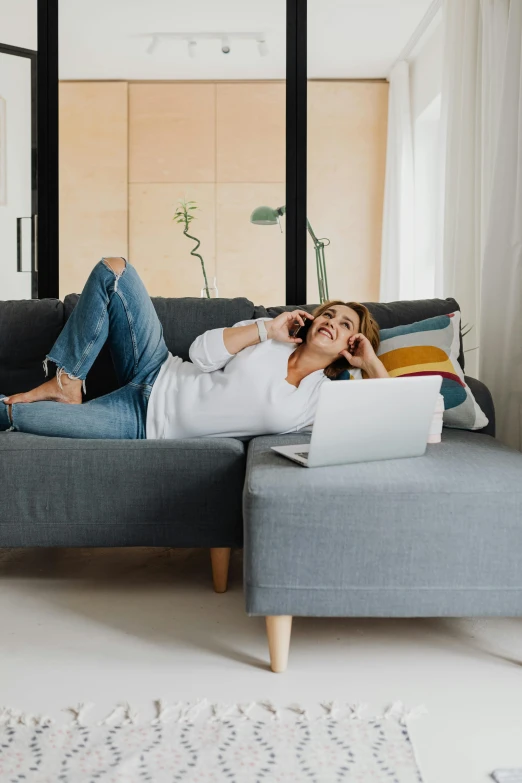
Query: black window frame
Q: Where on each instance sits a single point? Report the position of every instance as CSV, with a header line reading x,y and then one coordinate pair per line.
x,y
296,135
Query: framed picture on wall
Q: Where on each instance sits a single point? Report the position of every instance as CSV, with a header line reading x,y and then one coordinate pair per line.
x,y
3,153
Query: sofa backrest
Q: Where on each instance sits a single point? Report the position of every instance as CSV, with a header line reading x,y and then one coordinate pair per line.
x,y
28,329
392,314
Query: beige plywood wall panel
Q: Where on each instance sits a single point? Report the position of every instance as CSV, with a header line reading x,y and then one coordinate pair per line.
x,y
157,247
251,133
172,132
93,177
347,123
250,259
176,148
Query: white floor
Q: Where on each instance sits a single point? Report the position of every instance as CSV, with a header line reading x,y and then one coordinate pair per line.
x,y
104,626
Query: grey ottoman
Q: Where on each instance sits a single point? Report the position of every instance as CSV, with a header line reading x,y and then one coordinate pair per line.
x,y
438,535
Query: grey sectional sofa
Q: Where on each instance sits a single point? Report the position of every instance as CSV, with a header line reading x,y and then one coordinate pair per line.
x,y
437,535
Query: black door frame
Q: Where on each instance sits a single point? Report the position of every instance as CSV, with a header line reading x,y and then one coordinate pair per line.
x,y
296,140
19,51
296,136
48,203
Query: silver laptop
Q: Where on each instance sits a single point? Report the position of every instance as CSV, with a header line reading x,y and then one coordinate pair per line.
x,y
373,419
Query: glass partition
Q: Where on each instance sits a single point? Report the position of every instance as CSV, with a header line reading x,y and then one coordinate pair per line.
x,y
164,104
352,47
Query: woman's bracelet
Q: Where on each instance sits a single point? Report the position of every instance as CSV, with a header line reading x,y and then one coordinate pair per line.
x,y
261,328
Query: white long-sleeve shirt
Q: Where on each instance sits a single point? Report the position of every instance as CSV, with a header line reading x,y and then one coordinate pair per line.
x,y
221,394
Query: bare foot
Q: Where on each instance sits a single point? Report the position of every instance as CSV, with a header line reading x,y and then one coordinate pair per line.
x,y
71,393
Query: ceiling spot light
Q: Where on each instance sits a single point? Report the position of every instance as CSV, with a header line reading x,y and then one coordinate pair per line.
x,y
262,48
225,45
153,44
192,48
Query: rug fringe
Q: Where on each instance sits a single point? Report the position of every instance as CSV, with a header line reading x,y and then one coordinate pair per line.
x,y
13,717
124,712
398,710
190,712
78,712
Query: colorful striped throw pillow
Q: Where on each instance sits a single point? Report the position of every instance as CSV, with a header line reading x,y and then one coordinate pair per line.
x,y
431,347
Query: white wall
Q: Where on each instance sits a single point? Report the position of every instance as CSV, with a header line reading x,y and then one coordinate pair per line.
x,y
18,23
18,26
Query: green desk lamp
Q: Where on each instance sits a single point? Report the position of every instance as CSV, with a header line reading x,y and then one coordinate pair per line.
x,y
268,216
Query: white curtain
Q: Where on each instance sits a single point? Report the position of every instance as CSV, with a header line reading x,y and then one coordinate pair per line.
x,y
501,310
495,14
397,255
474,54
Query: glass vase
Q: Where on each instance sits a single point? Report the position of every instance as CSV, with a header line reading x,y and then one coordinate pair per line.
x,y
213,292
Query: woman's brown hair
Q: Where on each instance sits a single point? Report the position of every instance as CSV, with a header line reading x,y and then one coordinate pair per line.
x,y
368,326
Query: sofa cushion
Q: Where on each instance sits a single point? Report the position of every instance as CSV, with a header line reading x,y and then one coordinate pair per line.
x,y
70,492
434,535
183,319
389,314
430,347
28,329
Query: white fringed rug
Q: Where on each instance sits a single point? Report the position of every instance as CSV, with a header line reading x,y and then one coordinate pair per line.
x,y
210,743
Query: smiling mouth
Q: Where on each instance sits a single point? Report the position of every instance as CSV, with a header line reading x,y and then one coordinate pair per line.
x,y
325,331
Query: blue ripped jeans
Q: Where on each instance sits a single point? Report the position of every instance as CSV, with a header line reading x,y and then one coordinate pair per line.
x,y
113,308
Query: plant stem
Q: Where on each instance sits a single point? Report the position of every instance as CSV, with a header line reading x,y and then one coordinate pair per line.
x,y
193,253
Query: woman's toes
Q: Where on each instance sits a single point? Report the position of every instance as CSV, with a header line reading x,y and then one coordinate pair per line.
x,y
15,398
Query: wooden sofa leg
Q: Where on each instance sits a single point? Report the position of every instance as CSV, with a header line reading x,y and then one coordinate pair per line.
x,y
279,629
220,558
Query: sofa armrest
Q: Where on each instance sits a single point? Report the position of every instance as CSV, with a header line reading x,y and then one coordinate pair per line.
x,y
483,397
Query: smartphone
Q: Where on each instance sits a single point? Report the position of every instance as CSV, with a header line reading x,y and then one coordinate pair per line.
x,y
301,331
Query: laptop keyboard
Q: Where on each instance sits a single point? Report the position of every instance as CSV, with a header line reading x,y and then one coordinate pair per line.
x,y
303,454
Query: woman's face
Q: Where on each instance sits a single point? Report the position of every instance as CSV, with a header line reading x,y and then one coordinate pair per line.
x,y
331,330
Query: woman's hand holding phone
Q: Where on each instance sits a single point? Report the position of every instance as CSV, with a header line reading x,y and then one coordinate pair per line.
x,y
285,327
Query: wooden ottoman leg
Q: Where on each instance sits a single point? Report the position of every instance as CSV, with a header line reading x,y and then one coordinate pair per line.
x,y
220,558
279,629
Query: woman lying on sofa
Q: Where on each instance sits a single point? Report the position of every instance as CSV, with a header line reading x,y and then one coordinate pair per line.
x,y
246,380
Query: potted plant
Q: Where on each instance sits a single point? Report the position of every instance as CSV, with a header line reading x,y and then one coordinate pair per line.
x,y
184,216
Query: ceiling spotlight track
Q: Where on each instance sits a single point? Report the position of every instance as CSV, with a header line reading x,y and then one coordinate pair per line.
x,y
225,40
